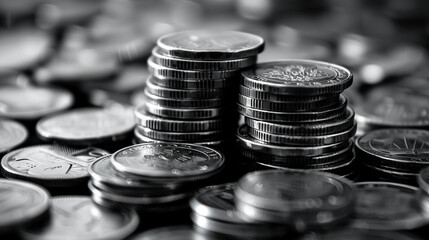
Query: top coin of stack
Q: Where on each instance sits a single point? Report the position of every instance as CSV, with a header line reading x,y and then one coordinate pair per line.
x,y
192,75
295,116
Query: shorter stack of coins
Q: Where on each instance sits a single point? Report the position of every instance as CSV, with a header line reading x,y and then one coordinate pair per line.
x,y
295,117
193,78
394,154
152,176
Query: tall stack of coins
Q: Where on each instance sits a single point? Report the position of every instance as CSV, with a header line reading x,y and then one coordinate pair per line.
x,y
192,83
295,117
152,176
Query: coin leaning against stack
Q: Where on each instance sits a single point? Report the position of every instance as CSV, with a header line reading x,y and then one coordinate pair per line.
x,y
296,118
192,81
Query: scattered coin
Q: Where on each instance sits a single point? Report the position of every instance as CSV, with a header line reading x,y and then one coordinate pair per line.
x,y
13,134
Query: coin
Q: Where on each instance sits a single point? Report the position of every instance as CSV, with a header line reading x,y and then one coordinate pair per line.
x,y
21,202
168,160
298,77
401,212
182,103
212,65
357,234
423,179
12,135
192,84
50,165
32,102
84,126
397,148
139,138
342,123
77,217
180,137
184,113
211,45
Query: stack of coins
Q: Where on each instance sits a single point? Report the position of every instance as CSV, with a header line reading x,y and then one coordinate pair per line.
x,y
295,117
152,176
395,154
193,77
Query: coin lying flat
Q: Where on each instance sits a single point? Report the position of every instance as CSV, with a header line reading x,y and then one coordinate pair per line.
x,y
182,103
12,135
298,77
50,165
184,113
77,217
210,45
31,102
402,211
87,125
192,84
21,202
188,137
168,160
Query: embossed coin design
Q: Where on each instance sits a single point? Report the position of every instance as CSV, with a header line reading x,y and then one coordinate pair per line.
x,y
21,202
211,45
298,77
87,125
50,165
172,161
31,102
77,217
12,135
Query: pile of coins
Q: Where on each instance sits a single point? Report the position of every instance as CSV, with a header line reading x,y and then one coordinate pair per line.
x,y
296,118
187,97
152,176
394,154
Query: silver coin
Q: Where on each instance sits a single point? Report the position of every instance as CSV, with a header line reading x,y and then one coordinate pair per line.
x,y
77,217
50,165
303,140
186,64
298,77
293,116
397,148
168,160
182,103
211,45
21,202
160,71
423,179
31,102
247,141
192,84
402,211
12,135
87,125
184,113
139,138
339,124
391,174
183,94
181,137
147,120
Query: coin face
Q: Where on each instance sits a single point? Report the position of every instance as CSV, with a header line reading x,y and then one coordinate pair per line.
x,y
211,45
50,165
29,103
168,160
77,217
397,145
12,135
21,202
87,125
402,211
298,77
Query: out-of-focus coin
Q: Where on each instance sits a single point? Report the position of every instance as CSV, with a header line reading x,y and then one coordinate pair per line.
x,y
145,119
175,161
23,48
404,149
181,137
187,64
184,113
173,233
211,45
249,142
12,135
359,234
21,202
31,103
77,217
317,115
339,124
192,84
298,77
50,165
87,125
423,180
402,211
